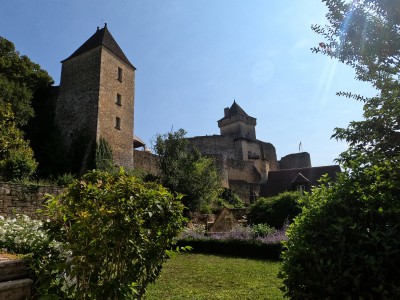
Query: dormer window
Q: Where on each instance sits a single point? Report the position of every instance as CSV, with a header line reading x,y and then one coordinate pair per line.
x,y
119,74
118,101
301,188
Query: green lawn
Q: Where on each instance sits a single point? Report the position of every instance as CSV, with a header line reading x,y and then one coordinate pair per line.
x,y
199,276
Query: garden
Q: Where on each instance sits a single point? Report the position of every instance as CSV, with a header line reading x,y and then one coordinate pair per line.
x,y
109,234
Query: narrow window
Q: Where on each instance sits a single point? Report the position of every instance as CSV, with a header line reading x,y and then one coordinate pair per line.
x,y
118,123
119,99
119,74
301,188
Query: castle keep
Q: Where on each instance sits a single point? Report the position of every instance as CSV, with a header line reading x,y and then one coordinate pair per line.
x,y
250,166
96,99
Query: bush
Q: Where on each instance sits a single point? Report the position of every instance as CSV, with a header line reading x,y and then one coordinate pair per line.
x,y
65,179
262,230
239,248
229,199
346,242
19,165
275,211
117,231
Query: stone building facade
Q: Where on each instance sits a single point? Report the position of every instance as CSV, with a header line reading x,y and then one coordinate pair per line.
x,y
96,99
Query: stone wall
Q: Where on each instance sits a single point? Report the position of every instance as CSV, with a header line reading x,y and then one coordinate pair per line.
x,y
248,192
295,160
23,199
110,108
77,105
145,161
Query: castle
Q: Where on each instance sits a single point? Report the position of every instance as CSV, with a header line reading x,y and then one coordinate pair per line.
x,y
250,166
95,100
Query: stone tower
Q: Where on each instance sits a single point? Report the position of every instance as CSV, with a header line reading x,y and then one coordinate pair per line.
x,y
237,123
96,99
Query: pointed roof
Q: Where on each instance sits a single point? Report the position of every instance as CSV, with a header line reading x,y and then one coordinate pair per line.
x,y
102,37
300,178
235,109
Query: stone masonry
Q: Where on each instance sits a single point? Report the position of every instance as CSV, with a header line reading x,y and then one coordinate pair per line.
x,y
96,99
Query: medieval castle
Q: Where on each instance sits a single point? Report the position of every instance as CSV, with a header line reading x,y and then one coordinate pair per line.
x,y
96,99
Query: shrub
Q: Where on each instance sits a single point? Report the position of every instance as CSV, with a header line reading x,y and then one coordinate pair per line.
x,y
116,230
275,211
262,230
65,179
230,199
22,235
346,242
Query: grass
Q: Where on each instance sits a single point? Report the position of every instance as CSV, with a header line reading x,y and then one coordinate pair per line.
x,y
200,276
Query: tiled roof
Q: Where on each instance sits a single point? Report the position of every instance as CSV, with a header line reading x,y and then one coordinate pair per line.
x,y
281,181
102,37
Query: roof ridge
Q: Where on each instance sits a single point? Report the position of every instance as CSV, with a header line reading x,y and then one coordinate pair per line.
x,y
102,37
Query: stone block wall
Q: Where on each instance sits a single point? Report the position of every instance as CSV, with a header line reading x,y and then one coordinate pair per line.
x,y
295,160
146,161
214,144
248,192
23,199
110,108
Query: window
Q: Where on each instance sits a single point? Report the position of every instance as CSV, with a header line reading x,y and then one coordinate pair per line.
x,y
301,188
119,99
118,123
119,74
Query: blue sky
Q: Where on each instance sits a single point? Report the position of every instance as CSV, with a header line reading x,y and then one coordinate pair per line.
x,y
193,58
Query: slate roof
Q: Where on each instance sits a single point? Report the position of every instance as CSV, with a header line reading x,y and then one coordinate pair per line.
x,y
102,37
235,110
281,181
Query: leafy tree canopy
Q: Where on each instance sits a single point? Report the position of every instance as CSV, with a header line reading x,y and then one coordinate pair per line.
x,y
16,157
365,34
20,78
345,243
186,171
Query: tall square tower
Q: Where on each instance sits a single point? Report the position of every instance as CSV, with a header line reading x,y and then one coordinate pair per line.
x,y
96,99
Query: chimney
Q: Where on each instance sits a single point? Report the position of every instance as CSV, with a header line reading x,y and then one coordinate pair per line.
x,y
226,111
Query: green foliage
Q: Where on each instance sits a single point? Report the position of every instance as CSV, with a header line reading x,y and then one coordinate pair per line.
x,y
22,235
230,199
231,247
346,242
19,80
65,179
275,211
186,171
104,156
16,157
116,231
262,230
366,36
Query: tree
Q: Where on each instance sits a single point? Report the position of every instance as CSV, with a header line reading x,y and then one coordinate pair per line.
x,y
20,78
16,157
186,171
277,210
104,156
366,35
345,243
